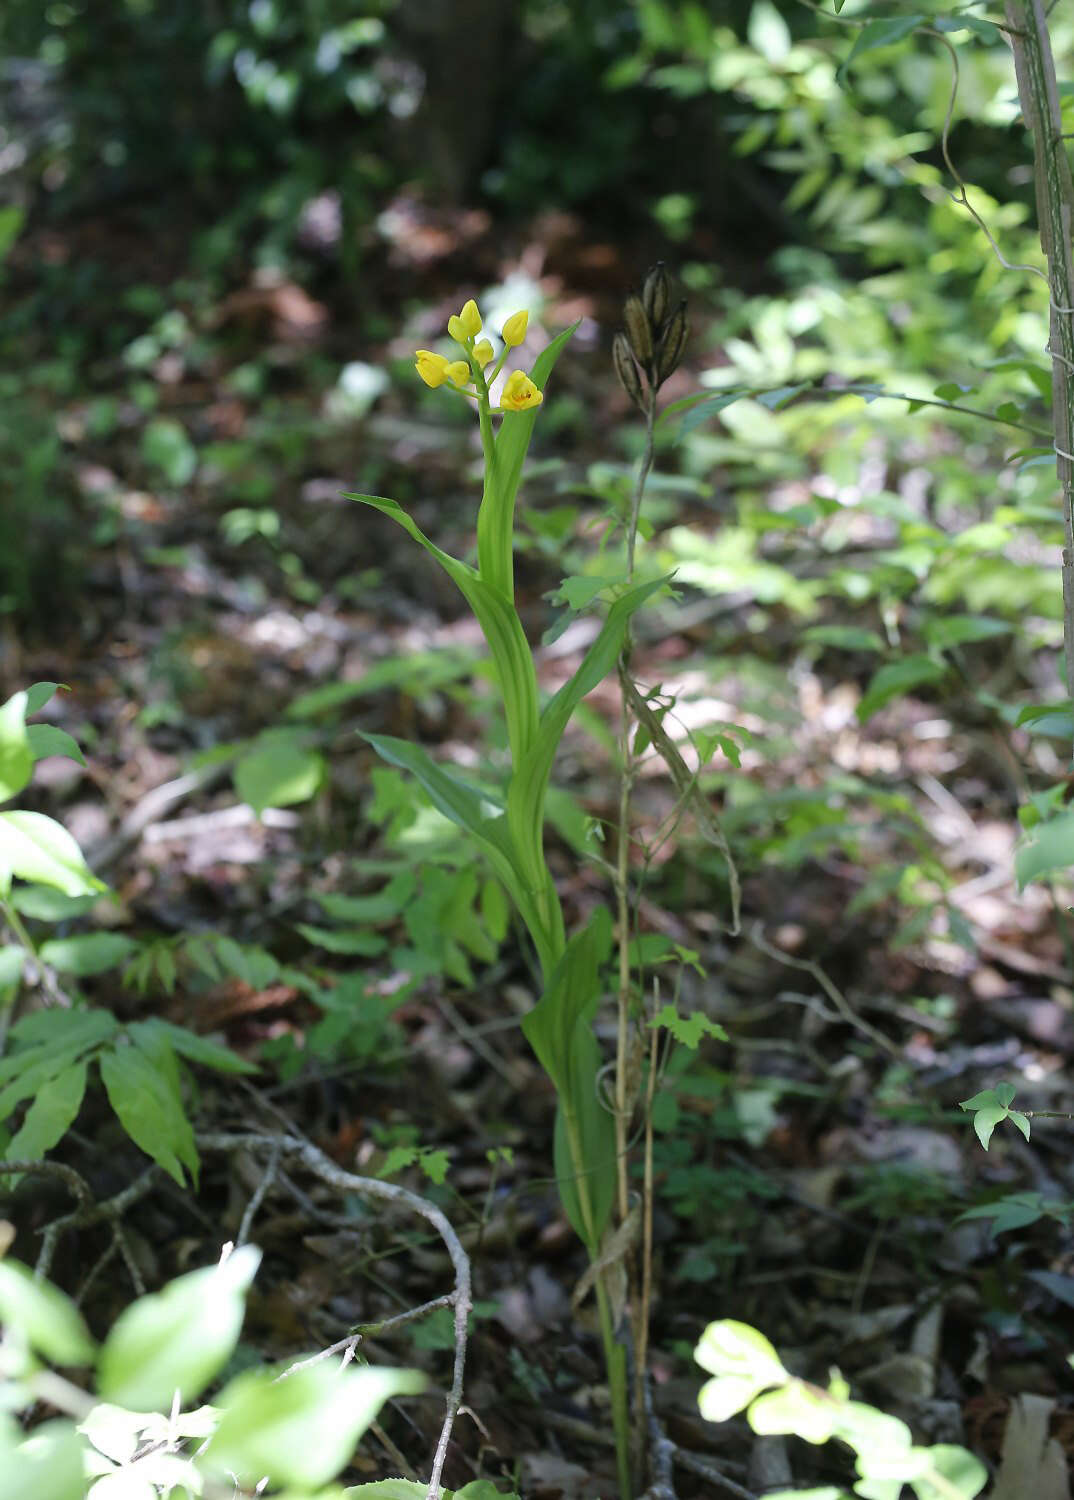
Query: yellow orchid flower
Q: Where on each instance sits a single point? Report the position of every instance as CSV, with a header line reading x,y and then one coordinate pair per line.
x,y
433,368
483,352
467,325
458,372
519,393
514,330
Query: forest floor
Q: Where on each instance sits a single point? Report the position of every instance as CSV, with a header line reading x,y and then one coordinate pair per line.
x,y
811,1171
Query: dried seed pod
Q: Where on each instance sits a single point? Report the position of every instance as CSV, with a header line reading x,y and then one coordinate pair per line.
x,y
627,370
639,330
656,295
672,344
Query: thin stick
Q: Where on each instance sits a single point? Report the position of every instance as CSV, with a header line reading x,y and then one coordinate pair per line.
x,y
268,1177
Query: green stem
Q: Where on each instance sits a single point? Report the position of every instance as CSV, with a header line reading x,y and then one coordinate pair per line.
x,y
614,1353
495,544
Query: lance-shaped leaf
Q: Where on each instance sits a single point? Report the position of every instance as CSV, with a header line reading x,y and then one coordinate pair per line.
x,y
475,812
585,1165
529,783
499,623
558,1030
496,518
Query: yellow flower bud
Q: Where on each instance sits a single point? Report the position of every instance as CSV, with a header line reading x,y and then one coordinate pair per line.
x,y
520,393
433,368
514,330
458,372
467,325
483,352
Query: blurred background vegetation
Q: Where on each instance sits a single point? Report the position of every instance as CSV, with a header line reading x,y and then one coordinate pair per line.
x,y
224,227
347,161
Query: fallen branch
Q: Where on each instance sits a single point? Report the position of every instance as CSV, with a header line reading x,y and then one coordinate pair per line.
x,y
284,1146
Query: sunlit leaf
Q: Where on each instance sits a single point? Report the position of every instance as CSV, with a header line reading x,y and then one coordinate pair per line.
x,y
732,1348
34,847
726,1395
47,1465
301,1430
957,1472
794,1407
16,757
45,1318
177,1339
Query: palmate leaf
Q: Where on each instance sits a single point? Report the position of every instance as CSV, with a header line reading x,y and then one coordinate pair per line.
x,y
496,518
499,623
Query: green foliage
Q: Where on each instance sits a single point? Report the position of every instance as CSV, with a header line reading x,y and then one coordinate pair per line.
x,y
1018,1211
278,96
291,1430
50,1052
278,770
688,1029
33,847
991,1106
748,1375
140,1065
42,545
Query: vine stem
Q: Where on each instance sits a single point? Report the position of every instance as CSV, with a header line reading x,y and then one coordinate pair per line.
x,y
1038,93
622,868
625,1084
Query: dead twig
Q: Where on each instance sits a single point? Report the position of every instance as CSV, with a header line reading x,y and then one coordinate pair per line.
x,y
88,1213
695,1464
257,1197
